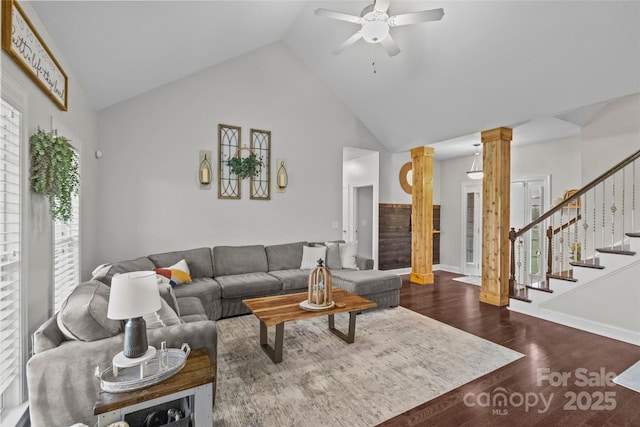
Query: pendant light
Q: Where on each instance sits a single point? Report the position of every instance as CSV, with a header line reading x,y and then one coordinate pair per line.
x,y
475,172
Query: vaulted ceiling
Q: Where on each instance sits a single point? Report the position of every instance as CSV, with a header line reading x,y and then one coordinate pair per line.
x,y
542,67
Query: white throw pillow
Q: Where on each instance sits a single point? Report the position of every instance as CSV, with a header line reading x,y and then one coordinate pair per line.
x,y
348,252
310,256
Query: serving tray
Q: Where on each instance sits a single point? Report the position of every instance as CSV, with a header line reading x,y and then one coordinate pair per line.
x,y
128,379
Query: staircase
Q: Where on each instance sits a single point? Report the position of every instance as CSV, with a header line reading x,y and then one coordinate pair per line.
x,y
578,264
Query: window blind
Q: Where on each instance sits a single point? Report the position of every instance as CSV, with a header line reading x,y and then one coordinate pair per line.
x,y
66,247
9,246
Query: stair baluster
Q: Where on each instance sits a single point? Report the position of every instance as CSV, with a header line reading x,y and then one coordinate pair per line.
x,y
613,210
595,193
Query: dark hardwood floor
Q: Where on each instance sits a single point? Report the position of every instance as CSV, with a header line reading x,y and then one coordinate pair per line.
x,y
547,346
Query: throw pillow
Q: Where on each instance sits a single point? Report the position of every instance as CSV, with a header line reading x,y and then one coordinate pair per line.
x,y
177,274
348,253
163,317
333,256
311,255
83,315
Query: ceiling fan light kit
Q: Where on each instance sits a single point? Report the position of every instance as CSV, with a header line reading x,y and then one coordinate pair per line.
x,y
375,22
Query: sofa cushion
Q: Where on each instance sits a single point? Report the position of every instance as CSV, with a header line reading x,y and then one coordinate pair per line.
x,y
207,290
248,285
292,280
284,257
138,264
365,282
230,260
192,309
199,261
83,315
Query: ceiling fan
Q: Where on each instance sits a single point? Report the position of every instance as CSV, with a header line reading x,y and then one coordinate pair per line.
x,y
375,22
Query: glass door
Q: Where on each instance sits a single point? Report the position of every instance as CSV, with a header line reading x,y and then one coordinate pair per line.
x,y
472,229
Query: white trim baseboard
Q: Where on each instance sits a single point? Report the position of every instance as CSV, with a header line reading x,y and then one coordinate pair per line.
x,y
620,334
449,268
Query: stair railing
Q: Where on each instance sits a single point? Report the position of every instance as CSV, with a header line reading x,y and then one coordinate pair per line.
x,y
596,218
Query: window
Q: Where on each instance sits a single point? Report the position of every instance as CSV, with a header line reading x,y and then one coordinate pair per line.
x,y
66,256
10,342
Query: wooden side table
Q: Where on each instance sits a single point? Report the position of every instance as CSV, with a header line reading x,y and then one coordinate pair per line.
x,y
196,381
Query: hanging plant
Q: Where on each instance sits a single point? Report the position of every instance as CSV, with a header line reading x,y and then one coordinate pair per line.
x,y
54,172
245,167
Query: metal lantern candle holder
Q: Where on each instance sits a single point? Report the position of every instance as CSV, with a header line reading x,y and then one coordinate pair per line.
x,y
320,286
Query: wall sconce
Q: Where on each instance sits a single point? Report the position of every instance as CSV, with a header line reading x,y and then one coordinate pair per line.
x,y
282,178
204,171
475,172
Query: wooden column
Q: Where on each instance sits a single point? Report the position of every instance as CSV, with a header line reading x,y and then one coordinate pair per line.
x,y
422,216
496,166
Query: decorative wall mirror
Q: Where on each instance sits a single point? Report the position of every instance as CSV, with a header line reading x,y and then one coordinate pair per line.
x,y
260,183
228,145
406,177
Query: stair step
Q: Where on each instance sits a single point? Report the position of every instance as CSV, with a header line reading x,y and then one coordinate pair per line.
x,y
588,264
633,234
520,295
616,251
542,287
561,277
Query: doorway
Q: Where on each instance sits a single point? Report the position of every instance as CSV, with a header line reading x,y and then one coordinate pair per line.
x,y
363,219
472,229
360,183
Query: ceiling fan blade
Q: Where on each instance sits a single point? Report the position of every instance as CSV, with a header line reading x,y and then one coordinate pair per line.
x,y
381,5
389,44
338,15
348,42
416,17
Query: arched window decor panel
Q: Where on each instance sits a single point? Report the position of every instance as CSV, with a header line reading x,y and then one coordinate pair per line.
x,y
228,145
260,183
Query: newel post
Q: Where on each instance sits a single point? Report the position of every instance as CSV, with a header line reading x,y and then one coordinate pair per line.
x,y
512,264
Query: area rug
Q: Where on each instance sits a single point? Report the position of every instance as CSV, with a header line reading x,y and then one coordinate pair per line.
x,y
630,378
399,360
472,280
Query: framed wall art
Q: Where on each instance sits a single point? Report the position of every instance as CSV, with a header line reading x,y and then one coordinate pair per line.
x,y
260,184
228,144
24,45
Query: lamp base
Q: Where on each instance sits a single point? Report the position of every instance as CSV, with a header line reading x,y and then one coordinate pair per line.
x,y
135,338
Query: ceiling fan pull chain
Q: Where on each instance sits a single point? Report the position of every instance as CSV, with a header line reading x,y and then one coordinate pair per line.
x,y
373,64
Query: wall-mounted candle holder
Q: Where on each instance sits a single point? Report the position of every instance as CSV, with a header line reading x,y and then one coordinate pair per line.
x,y
282,177
204,170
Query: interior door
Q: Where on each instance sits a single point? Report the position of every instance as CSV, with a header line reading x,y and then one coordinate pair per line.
x,y
364,220
472,229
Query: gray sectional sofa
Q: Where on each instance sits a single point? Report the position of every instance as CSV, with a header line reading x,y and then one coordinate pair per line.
x,y
222,277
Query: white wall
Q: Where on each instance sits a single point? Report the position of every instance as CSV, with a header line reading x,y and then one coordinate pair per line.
x,y
610,136
149,199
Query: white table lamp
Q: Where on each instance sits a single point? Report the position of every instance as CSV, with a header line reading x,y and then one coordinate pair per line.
x,y
132,296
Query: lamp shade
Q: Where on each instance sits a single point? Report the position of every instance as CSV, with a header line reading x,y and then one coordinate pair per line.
x,y
133,295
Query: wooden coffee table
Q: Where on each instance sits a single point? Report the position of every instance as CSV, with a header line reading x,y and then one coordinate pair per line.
x,y
276,310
